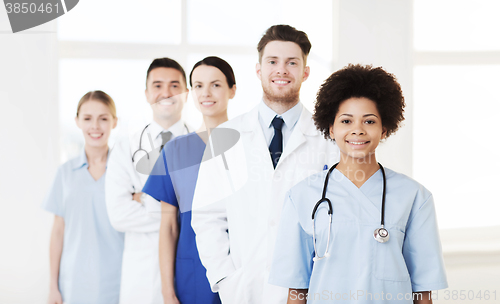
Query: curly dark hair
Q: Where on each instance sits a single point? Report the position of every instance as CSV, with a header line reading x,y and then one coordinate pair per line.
x,y
357,80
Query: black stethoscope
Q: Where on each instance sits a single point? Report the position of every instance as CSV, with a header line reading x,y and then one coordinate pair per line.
x,y
381,234
150,141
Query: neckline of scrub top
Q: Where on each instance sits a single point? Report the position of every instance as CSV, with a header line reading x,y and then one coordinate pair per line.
x,y
199,137
363,193
82,162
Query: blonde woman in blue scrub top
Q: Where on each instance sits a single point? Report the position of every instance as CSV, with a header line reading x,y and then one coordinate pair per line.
x,y
364,253
85,251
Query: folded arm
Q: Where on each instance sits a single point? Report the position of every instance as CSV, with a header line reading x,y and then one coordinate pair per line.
x,y
125,213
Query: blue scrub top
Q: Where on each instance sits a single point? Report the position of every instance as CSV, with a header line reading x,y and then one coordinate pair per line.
x,y
181,158
90,268
359,269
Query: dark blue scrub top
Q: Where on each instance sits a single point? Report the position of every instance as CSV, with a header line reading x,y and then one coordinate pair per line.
x,y
181,159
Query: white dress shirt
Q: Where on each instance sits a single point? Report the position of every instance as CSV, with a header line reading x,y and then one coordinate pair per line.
x,y
290,118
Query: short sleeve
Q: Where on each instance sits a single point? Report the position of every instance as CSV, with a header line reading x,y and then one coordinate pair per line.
x,y
54,200
422,249
160,187
293,253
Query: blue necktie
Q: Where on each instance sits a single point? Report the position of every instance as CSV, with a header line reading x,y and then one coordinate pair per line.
x,y
276,146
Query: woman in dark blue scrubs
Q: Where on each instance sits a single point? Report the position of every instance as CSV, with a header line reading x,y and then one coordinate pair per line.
x,y
183,276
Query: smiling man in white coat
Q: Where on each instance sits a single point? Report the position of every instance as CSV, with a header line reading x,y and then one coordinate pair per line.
x,y
129,166
239,195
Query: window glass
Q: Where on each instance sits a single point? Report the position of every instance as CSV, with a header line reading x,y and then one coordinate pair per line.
x,y
127,21
242,23
456,25
455,141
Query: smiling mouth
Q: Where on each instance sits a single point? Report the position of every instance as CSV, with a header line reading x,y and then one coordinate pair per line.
x,y
166,102
281,81
357,142
96,135
207,103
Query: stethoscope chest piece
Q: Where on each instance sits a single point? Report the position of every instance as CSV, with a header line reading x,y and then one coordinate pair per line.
x,y
381,235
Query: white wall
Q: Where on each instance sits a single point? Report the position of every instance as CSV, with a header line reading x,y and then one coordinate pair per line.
x,y
379,32
29,157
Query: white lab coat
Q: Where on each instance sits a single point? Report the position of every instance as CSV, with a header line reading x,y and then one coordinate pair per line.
x,y
141,280
247,201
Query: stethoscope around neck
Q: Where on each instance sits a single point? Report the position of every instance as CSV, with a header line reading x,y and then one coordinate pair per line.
x,y
381,234
150,140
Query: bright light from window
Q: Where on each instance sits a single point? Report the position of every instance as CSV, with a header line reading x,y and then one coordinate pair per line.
x,y
147,21
456,25
242,23
456,142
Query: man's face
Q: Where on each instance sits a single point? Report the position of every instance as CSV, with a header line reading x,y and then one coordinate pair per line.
x,y
282,71
166,92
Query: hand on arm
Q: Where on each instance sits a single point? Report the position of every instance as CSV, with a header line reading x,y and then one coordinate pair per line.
x,y
423,297
297,296
169,235
137,197
56,246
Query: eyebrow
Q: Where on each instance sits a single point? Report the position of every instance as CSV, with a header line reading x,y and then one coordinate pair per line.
x,y
276,57
161,81
217,80
90,115
366,115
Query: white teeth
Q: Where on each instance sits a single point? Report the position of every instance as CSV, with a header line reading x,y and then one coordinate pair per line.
x,y
166,102
206,103
357,142
95,135
280,82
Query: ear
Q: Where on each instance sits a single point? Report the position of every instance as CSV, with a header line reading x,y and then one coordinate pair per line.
x,y
77,122
186,96
332,136
307,70
146,94
258,71
384,133
115,123
233,92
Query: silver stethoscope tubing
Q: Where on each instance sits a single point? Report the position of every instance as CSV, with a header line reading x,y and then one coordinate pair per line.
x,y
381,234
140,142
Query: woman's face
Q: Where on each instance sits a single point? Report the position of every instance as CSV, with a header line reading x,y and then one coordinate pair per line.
x,y
96,122
357,128
211,91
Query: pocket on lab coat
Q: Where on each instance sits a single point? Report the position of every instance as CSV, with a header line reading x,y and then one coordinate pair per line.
x,y
389,260
231,289
185,281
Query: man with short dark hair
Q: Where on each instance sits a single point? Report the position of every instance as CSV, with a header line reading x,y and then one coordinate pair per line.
x,y
238,198
128,168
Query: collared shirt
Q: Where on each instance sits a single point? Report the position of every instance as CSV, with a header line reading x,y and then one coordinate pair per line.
x,y
290,117
178,128
90,266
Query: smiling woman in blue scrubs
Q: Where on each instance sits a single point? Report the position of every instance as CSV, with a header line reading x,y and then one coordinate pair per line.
x,y
85,250
213,84
357,107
